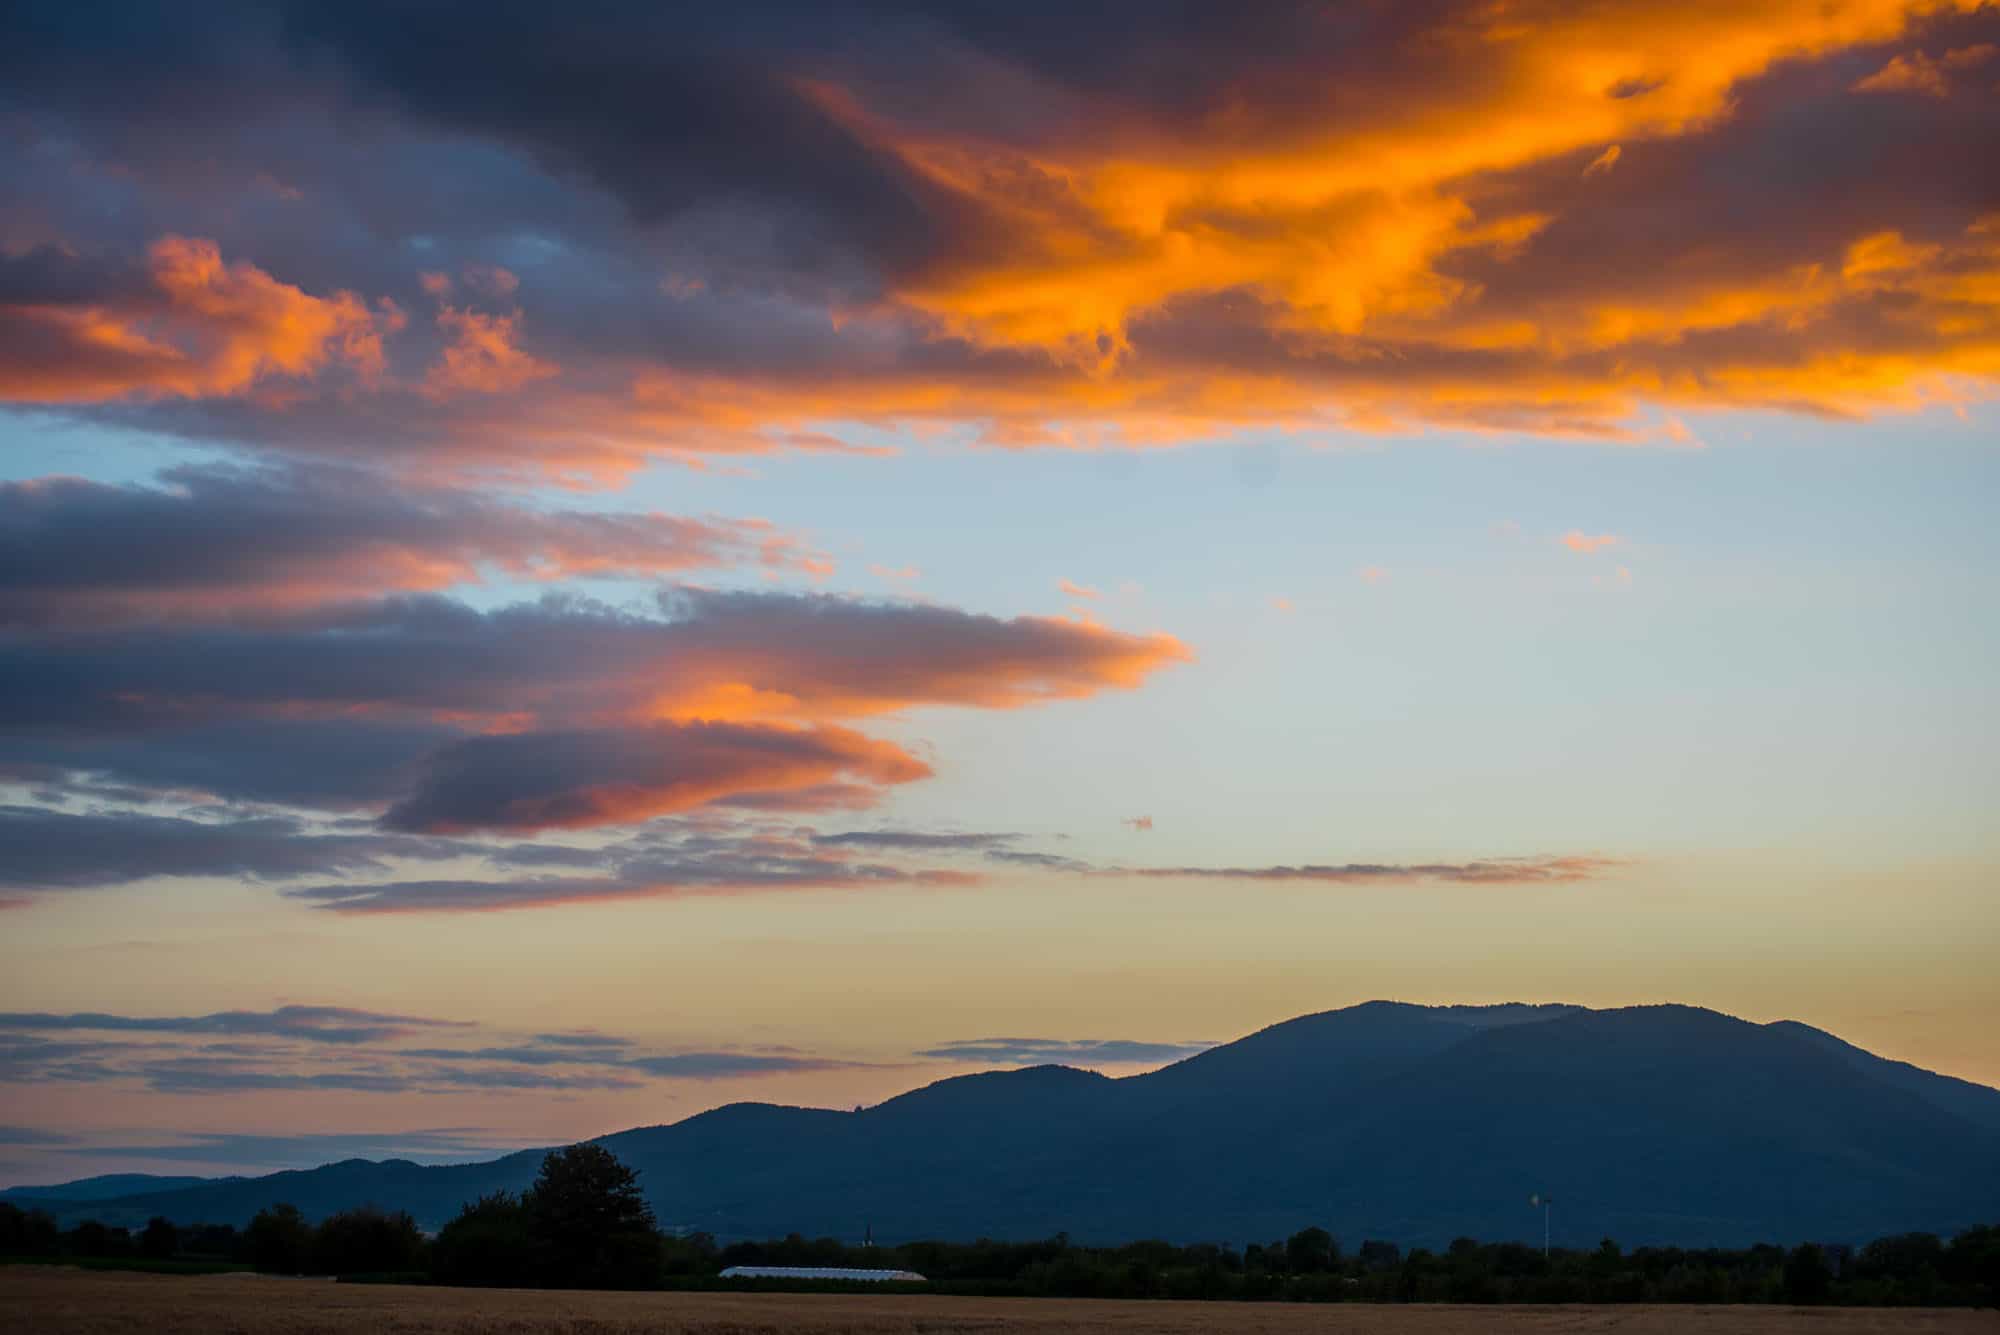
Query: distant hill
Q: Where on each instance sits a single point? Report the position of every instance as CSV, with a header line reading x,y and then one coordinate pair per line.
x,y
105,1188
1655,1124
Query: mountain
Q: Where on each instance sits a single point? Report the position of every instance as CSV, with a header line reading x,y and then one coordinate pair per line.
x,y
1652,1125
108,1187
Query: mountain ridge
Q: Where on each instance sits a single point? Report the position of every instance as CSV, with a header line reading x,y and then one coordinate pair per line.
x,y
1651,1124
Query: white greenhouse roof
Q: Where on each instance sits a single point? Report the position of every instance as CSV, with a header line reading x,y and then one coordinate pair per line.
x,y
820,1272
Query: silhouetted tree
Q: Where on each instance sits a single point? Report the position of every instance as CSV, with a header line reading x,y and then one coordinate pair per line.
x,y
1807,1278
487,1244
367,1240
1310,1251
27,1232
93,1238
589,1225
1375,1255
1973,1260
278,1240
161,1238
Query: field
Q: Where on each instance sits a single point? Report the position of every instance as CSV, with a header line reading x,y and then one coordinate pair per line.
x,y
36,1299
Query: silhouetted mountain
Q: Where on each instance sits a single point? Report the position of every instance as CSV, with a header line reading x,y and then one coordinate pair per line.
x,y
1975,1103
107,1187
1658,1124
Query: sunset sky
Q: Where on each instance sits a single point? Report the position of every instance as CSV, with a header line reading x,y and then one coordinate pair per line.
x,y
557,571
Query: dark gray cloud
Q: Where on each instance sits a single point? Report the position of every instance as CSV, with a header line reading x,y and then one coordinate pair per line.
x,y
317,1024
1490,871
650,879
207,1075
359,705
1021,857
606,776
43,849
444,1145
583,1040
729,1065
331,1048
1067,1052
215,540
33,1135
916,840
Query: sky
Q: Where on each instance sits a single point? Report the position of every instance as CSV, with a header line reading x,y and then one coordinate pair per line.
x,y
560,570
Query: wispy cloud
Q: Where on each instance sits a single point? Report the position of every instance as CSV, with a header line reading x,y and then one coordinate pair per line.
x,y
730,1065
174,1055
439,1146
209,542
916,840
316,1024
1067,1052
1493,871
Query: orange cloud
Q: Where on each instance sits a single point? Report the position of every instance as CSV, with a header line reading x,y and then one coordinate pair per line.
x,y
1911,73
1340,217
1578,541
1468,216
1075,590
191,327
483,356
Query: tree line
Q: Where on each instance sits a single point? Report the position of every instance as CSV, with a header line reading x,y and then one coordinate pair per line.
x,y
584,1223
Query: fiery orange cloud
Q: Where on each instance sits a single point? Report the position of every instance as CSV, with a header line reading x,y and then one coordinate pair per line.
x,y
1075,590
1578,541
1489,217
198,327
1341,217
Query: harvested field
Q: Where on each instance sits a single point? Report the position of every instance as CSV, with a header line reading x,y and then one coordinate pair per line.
x,y
55,1300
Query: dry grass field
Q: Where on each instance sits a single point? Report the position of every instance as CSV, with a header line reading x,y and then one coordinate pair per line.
x,y
55,1300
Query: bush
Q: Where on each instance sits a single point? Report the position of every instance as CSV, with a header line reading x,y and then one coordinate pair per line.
x,y
486,1245
278,1240
161,1239
367,1240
